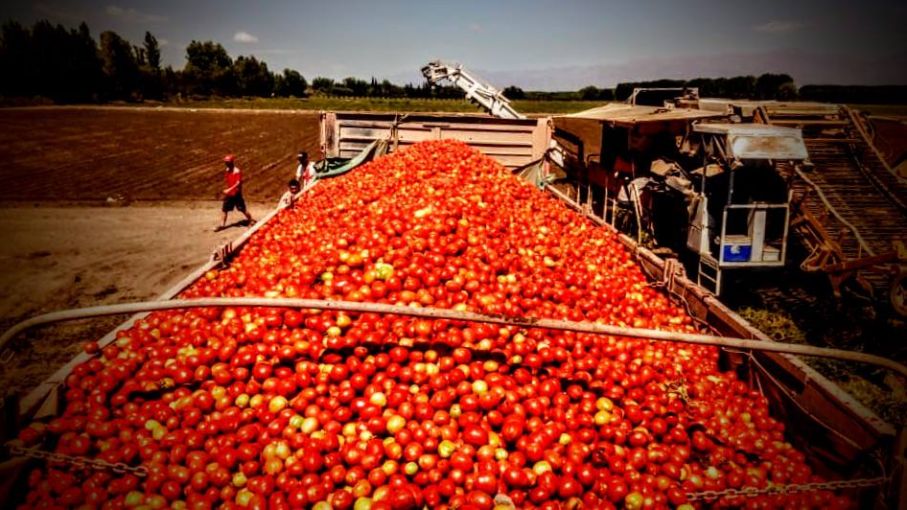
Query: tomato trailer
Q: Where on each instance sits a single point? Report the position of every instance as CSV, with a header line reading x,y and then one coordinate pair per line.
x,y
842,439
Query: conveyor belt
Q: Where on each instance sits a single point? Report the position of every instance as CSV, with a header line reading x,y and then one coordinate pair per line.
x,y
855,182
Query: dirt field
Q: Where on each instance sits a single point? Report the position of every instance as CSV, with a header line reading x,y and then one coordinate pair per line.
x,y
127,154
81,247
64,257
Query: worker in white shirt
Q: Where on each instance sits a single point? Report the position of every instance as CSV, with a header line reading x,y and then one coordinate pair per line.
x,y
305,172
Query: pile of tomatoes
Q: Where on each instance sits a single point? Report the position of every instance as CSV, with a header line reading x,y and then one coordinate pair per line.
x,y
290,408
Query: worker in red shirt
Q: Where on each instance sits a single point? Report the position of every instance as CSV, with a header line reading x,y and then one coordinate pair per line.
x,y
232,193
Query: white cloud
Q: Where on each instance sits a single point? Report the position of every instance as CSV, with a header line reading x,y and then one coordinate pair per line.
x,y
475,27
776,26
131,15
244,37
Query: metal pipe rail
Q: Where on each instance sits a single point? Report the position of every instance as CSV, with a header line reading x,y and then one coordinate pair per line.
x,y
439,313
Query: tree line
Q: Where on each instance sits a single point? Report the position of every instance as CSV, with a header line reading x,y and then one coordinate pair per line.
x,y
70,66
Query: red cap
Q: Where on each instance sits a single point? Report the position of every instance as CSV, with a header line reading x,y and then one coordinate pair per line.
x,y
229,158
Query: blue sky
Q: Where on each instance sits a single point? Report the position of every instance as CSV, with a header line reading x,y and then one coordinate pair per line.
x,y
537,44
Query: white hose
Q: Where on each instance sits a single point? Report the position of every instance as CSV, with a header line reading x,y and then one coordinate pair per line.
x,y
439,313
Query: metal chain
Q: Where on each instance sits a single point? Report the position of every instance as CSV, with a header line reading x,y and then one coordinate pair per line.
x,y
775,490
78,462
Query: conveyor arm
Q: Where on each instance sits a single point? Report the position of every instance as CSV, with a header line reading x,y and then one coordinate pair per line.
x,y
477,91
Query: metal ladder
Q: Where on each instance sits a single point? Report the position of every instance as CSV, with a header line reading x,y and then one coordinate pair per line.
x,y
708,276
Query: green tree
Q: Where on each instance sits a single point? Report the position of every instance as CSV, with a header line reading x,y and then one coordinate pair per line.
x,y
590,93
775,86
139,53
50,57
388,89
514,92
740,87
85,70
172,82
49,61
17,69
356,86
253,77
149,59
209,69
374,88
323,85
340,90
121,69
290,83
152,51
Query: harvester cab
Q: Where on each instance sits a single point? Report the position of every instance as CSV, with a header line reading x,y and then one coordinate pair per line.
x,y
739,204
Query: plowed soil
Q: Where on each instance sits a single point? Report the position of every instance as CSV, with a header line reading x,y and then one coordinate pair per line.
x,y
126,154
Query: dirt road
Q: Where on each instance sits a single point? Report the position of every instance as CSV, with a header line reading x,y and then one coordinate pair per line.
x,y
62,257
